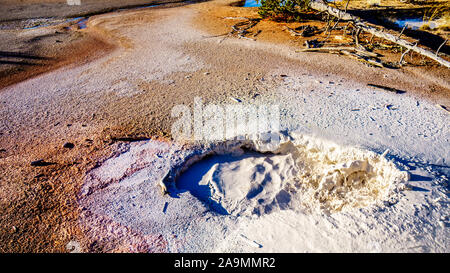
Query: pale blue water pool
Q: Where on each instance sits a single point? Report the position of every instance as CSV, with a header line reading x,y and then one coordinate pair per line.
x,y
414,23
251,3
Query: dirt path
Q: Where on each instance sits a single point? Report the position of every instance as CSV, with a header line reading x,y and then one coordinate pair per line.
x,y
164,57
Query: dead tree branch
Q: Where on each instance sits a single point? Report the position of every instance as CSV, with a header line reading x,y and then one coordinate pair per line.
x,y
320,6
437,51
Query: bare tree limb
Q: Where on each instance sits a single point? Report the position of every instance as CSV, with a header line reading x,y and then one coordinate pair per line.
x,y
437,51
400,62
320,6
400,35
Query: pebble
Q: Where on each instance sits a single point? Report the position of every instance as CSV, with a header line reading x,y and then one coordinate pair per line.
x,y
442,107
69,145
235,99
390,107
39,163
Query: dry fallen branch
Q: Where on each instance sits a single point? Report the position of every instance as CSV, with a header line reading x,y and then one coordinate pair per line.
x,y
305,31
337,22
257,33
400,62
350,49
437,51
403,29
360,24
292,31
338,44
326,49
356,36
237,18
358,54
363,59
241,28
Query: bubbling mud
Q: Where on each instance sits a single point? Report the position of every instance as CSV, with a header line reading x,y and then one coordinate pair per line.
x,y
302,173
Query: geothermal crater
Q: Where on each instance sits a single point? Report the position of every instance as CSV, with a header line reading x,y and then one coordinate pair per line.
x,y
302,173
213,187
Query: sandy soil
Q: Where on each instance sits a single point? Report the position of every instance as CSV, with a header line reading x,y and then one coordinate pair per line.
x,y
26,53
147,62
19,10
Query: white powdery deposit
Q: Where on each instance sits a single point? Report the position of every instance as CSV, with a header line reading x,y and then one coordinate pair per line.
x,y
352,113
340,177
308,195
304,172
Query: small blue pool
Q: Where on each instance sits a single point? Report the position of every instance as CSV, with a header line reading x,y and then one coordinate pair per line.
x,y
251,3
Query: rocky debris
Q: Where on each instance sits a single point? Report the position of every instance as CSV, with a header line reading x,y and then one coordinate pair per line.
x,y
69,145
390,107
41,163
443,107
